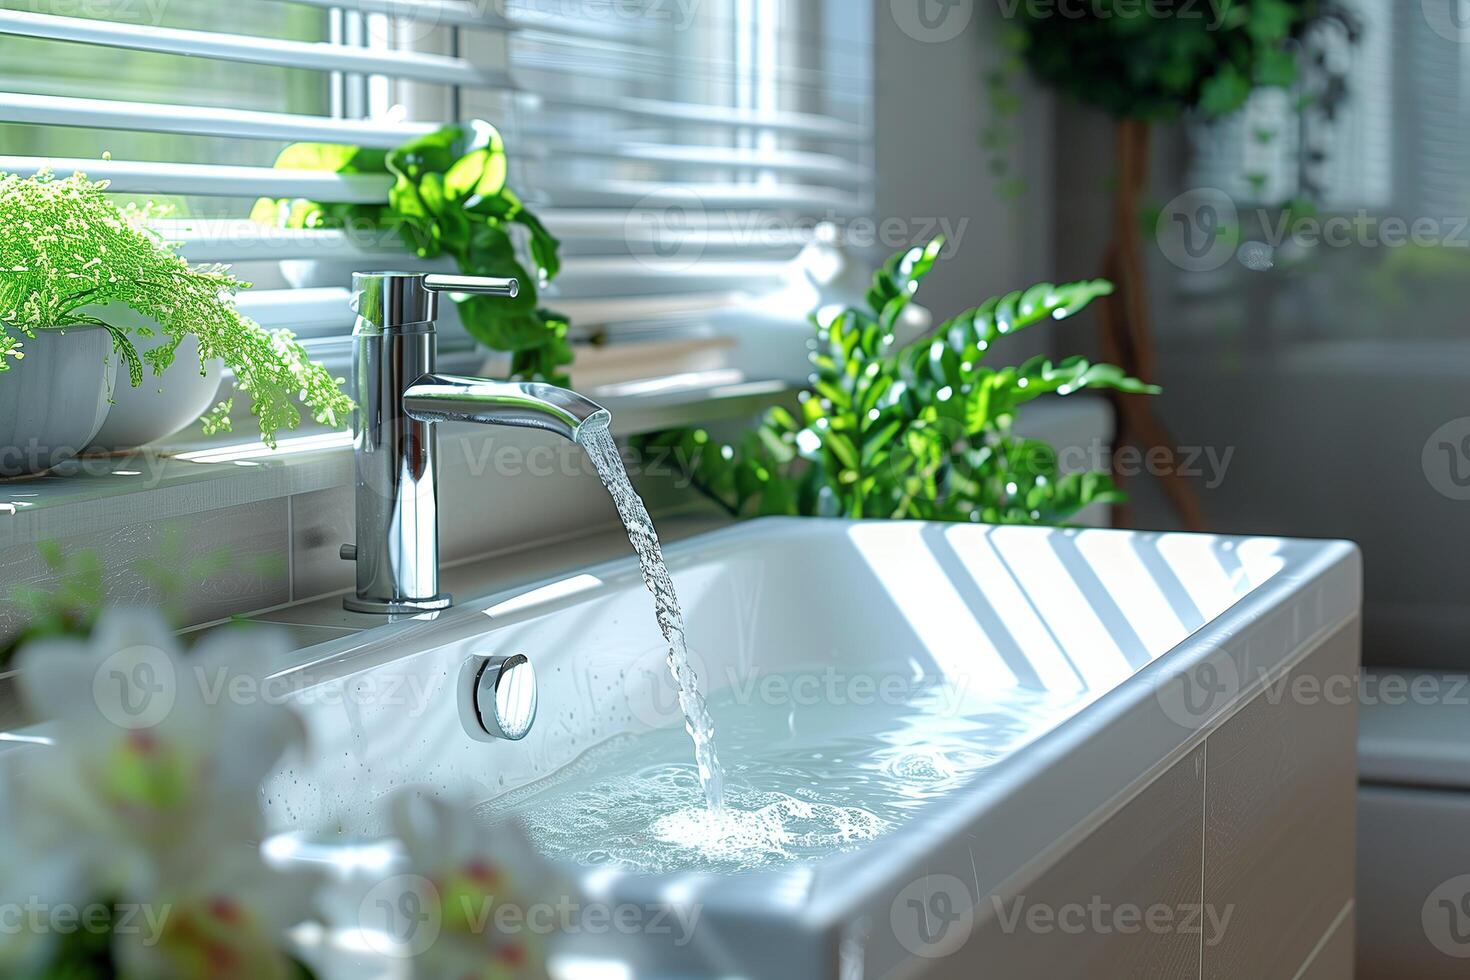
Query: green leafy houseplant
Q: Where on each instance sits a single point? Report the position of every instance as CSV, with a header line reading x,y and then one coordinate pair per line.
x,y
1153,62
449,197
916,431
68,250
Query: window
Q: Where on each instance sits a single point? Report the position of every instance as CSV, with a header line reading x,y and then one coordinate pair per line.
x,y
1269,152
1385,255
682,151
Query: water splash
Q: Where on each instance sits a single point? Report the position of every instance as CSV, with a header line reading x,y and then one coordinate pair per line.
x,y
603,450
654,820
803,784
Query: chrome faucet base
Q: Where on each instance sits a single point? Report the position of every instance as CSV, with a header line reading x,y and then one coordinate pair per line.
x,y
387,607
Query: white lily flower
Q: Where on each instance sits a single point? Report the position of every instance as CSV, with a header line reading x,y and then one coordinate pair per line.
x,y
227,922
146,775
469,901
151,794
30,881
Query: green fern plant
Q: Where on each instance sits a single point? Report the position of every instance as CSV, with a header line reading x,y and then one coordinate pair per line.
x,y
918,431
67,250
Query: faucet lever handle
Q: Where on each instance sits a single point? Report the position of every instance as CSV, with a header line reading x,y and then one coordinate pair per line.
x,y
482,285
395,300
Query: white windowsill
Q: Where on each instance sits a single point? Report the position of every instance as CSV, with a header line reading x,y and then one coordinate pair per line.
x,y
85,496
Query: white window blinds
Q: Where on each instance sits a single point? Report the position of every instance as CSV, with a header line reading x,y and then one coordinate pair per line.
x,y
681,150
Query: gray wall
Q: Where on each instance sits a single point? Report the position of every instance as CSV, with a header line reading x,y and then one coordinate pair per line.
x,y
931,110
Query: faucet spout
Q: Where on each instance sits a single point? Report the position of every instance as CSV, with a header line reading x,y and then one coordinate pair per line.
x,y
532,405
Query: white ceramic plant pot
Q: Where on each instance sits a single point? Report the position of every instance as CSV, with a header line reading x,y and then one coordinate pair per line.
x,y
162,404
54,400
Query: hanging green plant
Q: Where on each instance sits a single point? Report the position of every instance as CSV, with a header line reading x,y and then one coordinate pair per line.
x,y
920,431
1154,61
451,199
69,250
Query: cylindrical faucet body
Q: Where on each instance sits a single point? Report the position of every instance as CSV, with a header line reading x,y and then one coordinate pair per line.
x,y
399,397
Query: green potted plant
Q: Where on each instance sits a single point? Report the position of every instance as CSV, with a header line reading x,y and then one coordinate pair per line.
x,y
449,202
920,430
1146,64
74,260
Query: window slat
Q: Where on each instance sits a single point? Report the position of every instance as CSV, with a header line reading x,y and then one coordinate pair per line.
x,y
241,240
821,165
255,50
793,123
211,179
304,311
810,200
204,121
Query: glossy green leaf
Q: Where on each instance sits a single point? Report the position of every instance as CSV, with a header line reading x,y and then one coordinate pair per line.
x,y
918,432
479,173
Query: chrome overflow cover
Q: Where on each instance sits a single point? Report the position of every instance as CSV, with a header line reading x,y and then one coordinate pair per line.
x,y
505,696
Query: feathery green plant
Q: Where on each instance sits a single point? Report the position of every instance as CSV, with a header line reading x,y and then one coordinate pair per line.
x,y
919,431
66,250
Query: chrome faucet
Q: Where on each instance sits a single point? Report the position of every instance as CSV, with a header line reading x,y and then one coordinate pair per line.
x,y
399,398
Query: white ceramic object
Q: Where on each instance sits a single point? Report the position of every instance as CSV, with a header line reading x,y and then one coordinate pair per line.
x,y
1153,640
162,404
54,400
